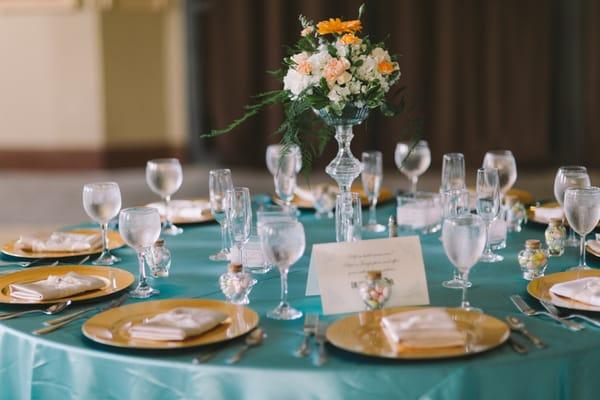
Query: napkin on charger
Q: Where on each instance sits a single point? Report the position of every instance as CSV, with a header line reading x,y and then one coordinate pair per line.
x,y
184,209
545,213
60,242
422,329
594,246
584,290
178,324
56,287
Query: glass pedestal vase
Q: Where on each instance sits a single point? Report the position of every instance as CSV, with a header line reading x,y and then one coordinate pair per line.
x,y
344,168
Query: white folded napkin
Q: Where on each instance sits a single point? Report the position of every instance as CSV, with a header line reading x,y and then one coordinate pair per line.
x,y
183,209
56,287
584,290
543,214
60,242
418,215
422,329
178,324
594,246
304,194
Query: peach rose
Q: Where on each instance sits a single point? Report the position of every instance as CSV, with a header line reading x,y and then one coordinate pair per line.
x,y
334,68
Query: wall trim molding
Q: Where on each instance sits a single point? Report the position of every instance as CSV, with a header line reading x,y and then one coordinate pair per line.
x,y
63,159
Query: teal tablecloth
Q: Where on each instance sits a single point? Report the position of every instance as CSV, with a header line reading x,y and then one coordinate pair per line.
x,y
65,365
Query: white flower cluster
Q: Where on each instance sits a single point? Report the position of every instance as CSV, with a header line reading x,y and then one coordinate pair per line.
x,y
350,74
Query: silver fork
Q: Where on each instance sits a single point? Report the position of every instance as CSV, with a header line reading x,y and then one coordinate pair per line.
x,y
310,328
553,310
527,310
23,264
321,339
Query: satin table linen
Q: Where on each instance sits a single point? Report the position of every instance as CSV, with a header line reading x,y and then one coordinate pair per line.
x,y
66,365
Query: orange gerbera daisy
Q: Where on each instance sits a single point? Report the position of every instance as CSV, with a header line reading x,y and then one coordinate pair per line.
x,y
349,38
336,25
385,67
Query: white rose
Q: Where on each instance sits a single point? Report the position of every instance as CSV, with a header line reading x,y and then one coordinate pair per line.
x,y
295,82
380,54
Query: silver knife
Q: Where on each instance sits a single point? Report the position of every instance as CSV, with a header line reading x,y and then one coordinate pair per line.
x,y
76,316
321,339
527,310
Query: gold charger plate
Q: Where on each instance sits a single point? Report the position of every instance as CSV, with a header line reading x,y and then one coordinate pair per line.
x,y
540,289
204,216
385,195
115,280
114,242
362,333
111,327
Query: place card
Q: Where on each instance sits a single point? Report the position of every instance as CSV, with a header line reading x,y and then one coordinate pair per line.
x,y
334,267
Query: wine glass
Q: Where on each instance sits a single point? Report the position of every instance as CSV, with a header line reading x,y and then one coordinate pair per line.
x,y
283,244
140,228
372,175
164,176
412,159
504,162
274,153
582,208
239,216
464,240
455,202
488,206
453,172
285,178
102,202
566,177
219,182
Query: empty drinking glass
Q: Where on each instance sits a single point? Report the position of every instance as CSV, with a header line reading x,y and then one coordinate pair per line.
x,y
582,208
283,244
348,217
488,206
372,174
239,216
504,162
140,228
412,159
274,153
464,240
453,172
102,202
164,176
566,177
219,182
285,178
455,202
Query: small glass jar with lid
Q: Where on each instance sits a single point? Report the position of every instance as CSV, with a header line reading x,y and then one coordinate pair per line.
x,y
375,291
555,236
515,213
533,260
158,258
236,284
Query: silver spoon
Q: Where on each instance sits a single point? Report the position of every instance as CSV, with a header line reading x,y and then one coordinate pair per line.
x,y
255,338
53,309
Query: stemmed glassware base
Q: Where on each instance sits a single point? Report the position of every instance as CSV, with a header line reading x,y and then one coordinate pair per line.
x,y
220,256
171,229
456,283
284,311
572,240
490,257
143,291
579,268
374,228
106,258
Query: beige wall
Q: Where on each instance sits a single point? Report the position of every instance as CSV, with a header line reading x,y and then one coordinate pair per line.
x,y
88,79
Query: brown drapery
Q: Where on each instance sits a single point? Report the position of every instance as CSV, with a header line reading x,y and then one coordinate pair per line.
x,y
479,73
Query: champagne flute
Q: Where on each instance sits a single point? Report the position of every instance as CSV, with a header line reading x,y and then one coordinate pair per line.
x,y
582,208
504,162
372,175
453,172
566,177
102,202
412,159
455,202
488,206
239,216
140,228
464,240
285,178
164,176
219,182
274,152
283,244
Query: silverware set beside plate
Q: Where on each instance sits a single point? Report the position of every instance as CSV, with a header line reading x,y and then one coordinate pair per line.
x,y
253,339
37,262
317,329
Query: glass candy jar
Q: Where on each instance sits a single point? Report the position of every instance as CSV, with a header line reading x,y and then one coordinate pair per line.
x,y
375,291
555,236
515,214
158,258
236,284
533,260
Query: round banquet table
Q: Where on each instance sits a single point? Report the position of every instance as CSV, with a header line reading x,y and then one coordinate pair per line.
x,y
66,365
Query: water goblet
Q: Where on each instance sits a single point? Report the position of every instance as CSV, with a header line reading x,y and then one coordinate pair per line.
x,y
164,177
504,162
283,244
412,159
274,152
488,206
102,202
455,202
464,241
219,182
372,175
582,208
453,172
140,228
239,217
566,177
285,178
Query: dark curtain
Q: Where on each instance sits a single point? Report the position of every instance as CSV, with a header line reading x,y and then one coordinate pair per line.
x,y
480,74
